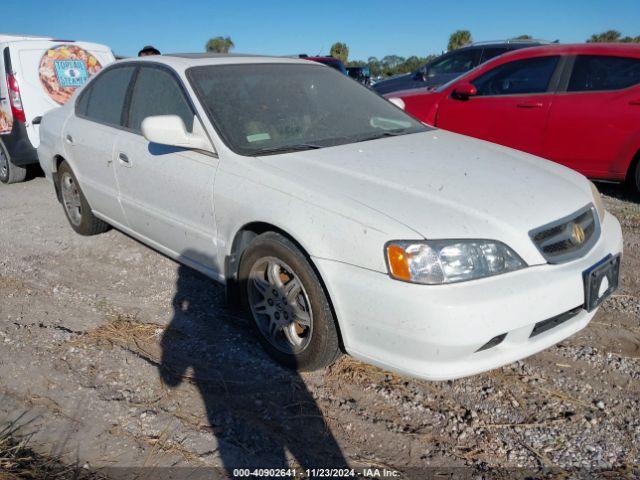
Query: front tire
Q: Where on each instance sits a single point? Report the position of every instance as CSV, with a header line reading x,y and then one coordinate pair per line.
x,y
10,173
75,205
288,304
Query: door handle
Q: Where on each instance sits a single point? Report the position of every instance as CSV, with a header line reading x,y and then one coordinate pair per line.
x,y
123,158
69,139
529,105
635,102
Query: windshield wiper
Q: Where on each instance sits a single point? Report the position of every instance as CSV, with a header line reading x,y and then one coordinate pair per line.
x,y
287,148
386,133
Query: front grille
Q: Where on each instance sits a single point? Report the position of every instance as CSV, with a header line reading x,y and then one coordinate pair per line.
x,y
568,238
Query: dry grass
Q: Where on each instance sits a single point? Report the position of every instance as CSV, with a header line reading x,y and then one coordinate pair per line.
x,y
126,332
18,461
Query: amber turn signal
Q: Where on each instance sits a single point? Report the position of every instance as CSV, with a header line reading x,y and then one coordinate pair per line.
x,y
398,262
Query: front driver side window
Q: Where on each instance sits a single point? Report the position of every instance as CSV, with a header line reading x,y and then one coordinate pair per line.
x,y
156,92
520,77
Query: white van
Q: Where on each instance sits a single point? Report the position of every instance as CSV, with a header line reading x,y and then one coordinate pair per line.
x,y
36,75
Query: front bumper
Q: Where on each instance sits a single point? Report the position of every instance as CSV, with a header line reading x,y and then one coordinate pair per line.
x,y
434,332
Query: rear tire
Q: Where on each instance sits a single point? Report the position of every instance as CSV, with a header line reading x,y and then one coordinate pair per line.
x,y
284,296
10,173
75,205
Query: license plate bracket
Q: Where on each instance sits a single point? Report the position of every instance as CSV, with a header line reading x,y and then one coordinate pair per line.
x,y
608,269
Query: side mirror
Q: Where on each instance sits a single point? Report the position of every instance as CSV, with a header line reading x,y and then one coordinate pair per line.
x,y
171,130
464,91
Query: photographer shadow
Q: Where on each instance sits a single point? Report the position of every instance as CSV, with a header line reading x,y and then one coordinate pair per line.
x,y
261,413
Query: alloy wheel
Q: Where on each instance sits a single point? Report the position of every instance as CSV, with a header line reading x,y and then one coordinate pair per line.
x,y
280,305
4,165
71,198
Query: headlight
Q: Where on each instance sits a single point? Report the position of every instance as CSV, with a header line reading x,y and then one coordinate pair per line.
x,y
597,201
449,261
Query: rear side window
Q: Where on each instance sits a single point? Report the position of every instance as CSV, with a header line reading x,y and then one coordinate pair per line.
x,y
490,52
157,92
454,63
103,99
520,77
599,72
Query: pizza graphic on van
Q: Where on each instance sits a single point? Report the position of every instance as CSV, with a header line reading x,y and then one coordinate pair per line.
x,y
64,68
6,122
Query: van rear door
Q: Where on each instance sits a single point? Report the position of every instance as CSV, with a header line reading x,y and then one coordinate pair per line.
x,y
49,72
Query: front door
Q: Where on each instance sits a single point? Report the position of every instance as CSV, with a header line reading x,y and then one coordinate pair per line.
x,y
166,192
511,106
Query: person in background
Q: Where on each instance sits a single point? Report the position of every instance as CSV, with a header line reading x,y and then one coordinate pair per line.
x,y
148,50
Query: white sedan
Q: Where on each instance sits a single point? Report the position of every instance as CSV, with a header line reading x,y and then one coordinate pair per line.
x,y
342,223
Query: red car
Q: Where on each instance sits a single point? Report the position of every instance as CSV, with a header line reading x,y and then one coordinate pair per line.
x,y
578,105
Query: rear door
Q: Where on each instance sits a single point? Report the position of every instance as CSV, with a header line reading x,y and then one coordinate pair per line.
x,y
90,136
593,123
49,73
511,106
166,192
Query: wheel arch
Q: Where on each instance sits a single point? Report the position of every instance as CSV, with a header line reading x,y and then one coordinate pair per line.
x,y
242,239
632,167
56,161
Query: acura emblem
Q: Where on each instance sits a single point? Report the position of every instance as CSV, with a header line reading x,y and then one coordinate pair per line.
x,y
577,234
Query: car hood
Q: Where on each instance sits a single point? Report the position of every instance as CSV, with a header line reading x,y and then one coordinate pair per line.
x,y
445,185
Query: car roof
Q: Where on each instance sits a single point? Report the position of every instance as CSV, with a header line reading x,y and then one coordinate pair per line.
x,y
182,61
12,37
622,49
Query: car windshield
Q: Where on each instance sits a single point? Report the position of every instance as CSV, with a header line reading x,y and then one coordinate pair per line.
x,y
261,109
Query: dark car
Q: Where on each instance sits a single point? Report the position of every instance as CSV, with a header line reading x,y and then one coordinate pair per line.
x,y
331,61
451,65
360,74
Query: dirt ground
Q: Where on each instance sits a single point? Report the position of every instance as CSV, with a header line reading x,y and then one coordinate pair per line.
x,y
115,356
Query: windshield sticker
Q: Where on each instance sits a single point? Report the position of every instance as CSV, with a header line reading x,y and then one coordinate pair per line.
x,y
6,122
258,137
65,68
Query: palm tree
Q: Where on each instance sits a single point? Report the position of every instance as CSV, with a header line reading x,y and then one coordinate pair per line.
x,y
458,39
219,45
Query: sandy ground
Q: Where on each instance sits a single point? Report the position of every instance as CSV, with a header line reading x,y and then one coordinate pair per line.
x,y
117,356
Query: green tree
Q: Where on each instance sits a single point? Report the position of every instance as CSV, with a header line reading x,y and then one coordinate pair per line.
x,y
219,45
357,63
340,51
374,66
458,39
390,64
523,37
610,36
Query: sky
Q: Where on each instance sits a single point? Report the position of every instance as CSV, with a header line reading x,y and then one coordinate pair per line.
x,y
285,27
